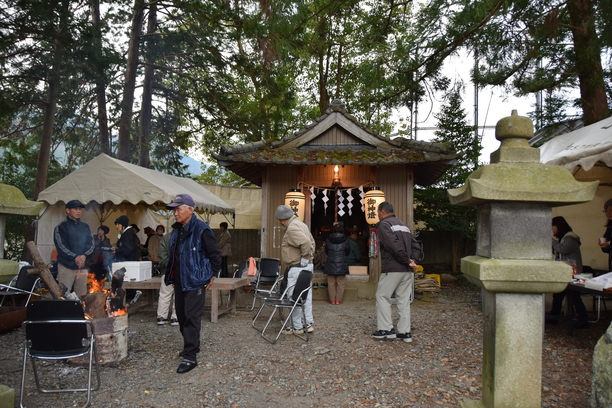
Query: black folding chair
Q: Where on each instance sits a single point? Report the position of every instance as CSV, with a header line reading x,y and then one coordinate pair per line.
x,y
293,297
58,330
268,279
241,268
22,284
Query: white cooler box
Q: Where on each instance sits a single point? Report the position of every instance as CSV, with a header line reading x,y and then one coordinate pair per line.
x,y
134,270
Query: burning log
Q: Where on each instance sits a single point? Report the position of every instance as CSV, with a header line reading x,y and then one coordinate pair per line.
x,y
117,282
116,303
95,304
43,271
100,302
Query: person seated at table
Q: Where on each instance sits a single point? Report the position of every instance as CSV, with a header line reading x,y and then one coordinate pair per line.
x,y
566,247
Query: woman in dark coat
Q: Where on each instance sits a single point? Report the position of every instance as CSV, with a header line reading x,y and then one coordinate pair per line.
x,y
337,248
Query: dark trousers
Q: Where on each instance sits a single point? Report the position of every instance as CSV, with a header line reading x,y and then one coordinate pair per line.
x,y
189,309
224,273
579,306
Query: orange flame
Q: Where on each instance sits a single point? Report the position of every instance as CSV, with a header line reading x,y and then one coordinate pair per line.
x,y
119,312
95,285
98,286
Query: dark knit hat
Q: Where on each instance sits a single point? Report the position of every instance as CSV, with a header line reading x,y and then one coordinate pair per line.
x,y
104,228
608,204
123,220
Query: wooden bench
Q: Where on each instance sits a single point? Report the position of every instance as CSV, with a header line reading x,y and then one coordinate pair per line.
x,y
230,284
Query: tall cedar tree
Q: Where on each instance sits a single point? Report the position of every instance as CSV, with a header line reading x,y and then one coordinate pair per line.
x,y
433,206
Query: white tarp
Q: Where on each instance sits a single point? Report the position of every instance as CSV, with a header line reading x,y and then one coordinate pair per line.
x,y
583,147
110,188
105,179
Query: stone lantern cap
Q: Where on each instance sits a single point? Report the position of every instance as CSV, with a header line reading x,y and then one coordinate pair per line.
x,y
13,202
516,174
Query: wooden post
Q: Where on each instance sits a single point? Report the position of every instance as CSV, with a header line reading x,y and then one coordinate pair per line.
x,y
43,271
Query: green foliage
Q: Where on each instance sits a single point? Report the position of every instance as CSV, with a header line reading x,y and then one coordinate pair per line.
x,y
529,47
213,174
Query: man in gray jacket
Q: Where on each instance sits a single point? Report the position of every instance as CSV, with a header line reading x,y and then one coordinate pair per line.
x,y
399,252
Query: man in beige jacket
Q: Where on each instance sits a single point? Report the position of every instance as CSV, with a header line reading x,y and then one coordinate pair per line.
x,y
297,248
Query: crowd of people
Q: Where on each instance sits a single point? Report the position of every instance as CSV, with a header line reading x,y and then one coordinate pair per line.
x,y
189,256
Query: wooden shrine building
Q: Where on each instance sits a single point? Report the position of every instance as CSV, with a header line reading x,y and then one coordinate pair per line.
x,y
306,161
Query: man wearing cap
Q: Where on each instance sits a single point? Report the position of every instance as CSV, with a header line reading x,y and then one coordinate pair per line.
x,y
74,243
193,258
297,248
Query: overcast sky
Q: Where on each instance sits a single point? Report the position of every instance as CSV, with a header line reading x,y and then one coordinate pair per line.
x,y
492,102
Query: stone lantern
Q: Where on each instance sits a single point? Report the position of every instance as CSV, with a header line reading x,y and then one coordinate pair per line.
x,y
513,264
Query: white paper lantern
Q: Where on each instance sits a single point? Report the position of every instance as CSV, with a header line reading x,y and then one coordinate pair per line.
x,y
372,199
296,200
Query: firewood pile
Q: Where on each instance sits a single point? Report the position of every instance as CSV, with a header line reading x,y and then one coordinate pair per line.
x,y
425,284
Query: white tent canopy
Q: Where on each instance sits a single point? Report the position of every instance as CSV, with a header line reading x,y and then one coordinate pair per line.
x,y
105,179
109,188
580,151
583,147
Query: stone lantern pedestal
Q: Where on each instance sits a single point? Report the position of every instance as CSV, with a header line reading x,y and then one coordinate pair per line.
x,y
513,263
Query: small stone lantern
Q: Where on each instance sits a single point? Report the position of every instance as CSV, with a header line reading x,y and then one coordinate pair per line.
x,y
513,262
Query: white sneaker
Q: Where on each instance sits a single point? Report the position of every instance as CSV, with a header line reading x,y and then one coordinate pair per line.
x,y
309,328
136,296
293,331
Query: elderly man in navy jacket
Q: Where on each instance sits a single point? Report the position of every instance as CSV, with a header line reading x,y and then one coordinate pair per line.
x,y
193,258
74,243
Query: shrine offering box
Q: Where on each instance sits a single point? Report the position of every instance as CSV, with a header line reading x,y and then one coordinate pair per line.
x,y
134,271
358,270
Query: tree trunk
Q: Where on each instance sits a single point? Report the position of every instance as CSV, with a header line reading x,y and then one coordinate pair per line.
x,y
144,142
100,82
44,153
125,122
588,61
43,271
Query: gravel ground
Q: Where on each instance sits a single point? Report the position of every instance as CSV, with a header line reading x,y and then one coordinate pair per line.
x,y
340,366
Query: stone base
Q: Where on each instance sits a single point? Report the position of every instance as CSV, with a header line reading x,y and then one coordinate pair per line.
x,y
601,381
512,350
471,404
517,275
7,397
